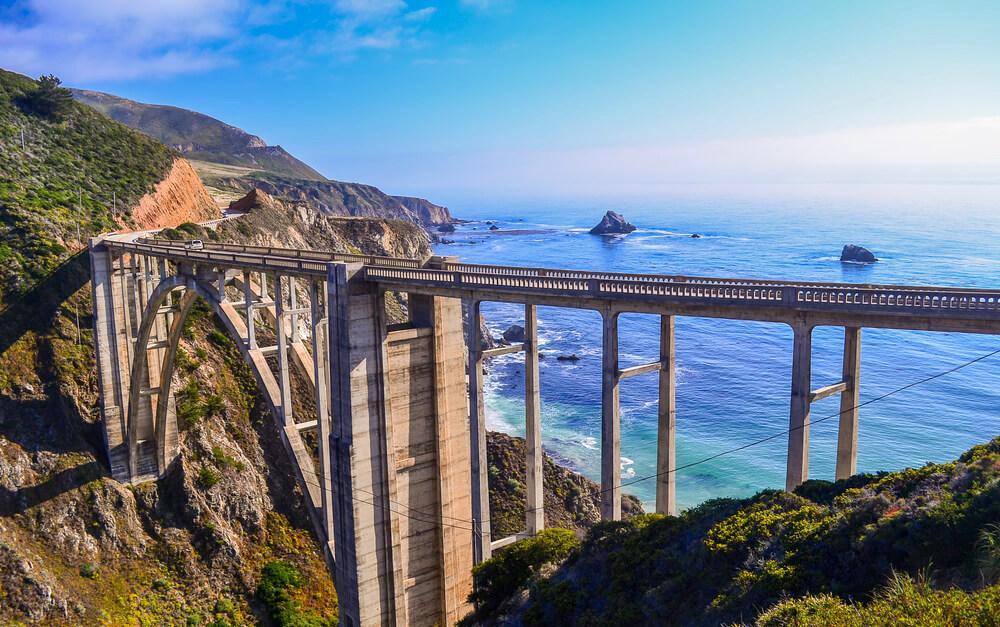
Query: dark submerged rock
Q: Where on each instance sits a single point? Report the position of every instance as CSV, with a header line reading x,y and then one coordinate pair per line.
x,y
857,254
613,224
570,357
446,228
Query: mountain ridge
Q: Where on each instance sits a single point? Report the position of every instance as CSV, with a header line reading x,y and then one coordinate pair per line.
x,y
247,162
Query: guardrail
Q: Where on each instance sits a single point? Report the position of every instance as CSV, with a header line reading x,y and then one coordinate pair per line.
x,y
966,303
770,294
295,253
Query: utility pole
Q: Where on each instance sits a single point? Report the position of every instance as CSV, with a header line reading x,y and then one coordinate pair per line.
x,y
78,218
22,139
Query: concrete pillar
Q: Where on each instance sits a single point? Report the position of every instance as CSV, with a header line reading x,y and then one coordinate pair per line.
x,y
611,442
284,382
106,351
798,421
249,309
451,415
321,359
293,300
534,506
481,548
364,574
847,436
666,454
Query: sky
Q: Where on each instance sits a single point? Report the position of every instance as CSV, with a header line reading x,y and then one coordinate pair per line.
x,y
518,99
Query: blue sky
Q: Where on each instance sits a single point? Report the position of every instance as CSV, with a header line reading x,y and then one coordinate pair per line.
x,y
458,97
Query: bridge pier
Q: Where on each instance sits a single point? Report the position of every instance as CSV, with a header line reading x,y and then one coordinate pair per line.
x,y
400,456
611,437
797,469
533,476
666,453
850,398
479,463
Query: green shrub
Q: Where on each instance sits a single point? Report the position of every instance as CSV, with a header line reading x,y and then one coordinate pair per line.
x,y
190,409
278,579
903,602
208,477
89,571
510,569
218,338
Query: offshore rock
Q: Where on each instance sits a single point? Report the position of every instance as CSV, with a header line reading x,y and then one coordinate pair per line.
x,y
613,224
514,333
857,254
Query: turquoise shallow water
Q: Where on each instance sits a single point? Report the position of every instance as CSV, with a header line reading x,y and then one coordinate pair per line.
x,y
733,376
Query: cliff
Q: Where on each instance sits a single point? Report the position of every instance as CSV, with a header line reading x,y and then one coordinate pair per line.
x,y
232,161
179,197
338,198
918,546
274,222
425,211
571,500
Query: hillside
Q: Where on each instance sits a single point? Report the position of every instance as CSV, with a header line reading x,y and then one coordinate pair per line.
x,y
49,188
920,546
198,136
231,162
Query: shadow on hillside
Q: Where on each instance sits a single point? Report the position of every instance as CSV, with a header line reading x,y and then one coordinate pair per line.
x,y
34,309
22,499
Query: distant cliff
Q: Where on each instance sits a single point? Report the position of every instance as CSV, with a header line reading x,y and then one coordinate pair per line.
x,y
340,199
231,162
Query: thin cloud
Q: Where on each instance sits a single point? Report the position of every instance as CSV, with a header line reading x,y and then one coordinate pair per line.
x,y
420,15
98,40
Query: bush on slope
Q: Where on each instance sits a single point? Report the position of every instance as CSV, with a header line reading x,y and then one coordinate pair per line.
x,y
727,560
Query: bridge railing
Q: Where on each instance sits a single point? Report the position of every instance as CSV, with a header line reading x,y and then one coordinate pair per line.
x,y
233,260
295,253
767,294
667,278
547,282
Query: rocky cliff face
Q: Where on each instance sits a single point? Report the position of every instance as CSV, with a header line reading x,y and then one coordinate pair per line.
x,y
340,199
426,212
180,197
571,500
273,222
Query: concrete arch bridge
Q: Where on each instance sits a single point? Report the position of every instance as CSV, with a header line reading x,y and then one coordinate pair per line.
x,y
399,495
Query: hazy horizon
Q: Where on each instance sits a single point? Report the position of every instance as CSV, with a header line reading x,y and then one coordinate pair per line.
x,y
504,98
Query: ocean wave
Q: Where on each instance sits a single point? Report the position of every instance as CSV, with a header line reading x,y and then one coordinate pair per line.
x,y
626,467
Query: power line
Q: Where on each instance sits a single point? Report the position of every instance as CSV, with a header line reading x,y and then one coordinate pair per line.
x,y
685,466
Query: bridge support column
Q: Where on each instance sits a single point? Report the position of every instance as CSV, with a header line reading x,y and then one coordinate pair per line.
x,y
482,536
666,454
249,310
797,469
611,444
319,307
102,280
284,381
850,398
534,507
364,573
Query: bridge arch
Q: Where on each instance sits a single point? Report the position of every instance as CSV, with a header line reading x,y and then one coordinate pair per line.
x,y
163,417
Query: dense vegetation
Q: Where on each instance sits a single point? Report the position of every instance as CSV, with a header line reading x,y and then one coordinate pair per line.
x,y
73,162
920,543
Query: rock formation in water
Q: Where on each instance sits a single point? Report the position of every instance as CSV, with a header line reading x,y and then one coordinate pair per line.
x,y
514,333
613,224
857,254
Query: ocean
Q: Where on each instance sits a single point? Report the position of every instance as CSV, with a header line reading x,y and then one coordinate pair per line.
x,y
733,376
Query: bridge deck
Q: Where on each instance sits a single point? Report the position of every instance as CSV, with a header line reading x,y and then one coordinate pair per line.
x,y
892,306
